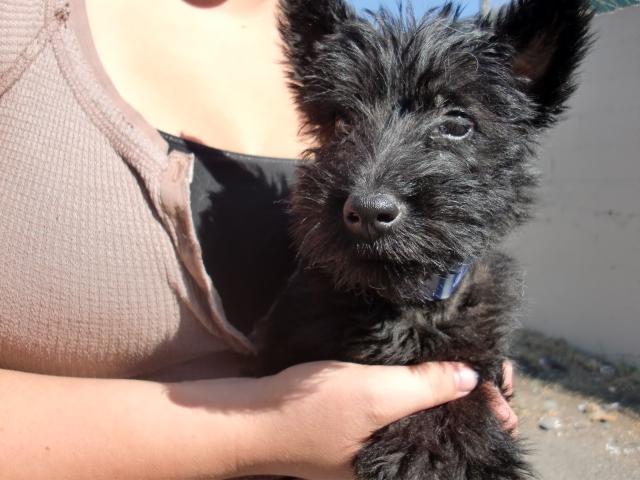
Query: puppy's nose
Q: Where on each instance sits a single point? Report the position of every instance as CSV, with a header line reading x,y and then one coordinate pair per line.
x,y
370,216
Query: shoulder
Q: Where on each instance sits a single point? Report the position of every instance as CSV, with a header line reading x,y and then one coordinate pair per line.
x,y
20,23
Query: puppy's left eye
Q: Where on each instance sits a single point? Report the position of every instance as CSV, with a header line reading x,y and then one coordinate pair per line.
x,y
457,125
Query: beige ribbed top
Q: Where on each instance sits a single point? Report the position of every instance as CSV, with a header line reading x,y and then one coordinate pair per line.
x,y
100,270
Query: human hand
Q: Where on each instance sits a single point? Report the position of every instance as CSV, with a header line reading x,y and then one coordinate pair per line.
x,y
321,413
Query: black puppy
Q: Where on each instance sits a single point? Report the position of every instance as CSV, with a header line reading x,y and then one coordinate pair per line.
x,y
425,132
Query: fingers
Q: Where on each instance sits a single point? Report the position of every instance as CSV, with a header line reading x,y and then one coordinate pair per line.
x,y
401,391
500,401
507,385
503,411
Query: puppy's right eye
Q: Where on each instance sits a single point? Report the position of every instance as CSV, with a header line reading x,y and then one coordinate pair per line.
x,y
341,124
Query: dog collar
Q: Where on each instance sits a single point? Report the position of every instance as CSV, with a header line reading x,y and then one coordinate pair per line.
x,y
441,287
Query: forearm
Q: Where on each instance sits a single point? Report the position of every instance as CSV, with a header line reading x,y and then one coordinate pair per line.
x,y
307,421
55,427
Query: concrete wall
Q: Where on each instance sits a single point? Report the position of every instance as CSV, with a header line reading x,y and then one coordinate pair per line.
x,y
582,255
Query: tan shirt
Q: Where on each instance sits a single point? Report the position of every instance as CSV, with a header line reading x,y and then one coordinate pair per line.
x,y
100,270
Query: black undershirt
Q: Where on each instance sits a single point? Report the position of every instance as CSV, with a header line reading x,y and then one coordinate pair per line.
x,y
238,208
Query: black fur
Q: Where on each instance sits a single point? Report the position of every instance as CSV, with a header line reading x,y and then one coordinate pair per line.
x,y
382,95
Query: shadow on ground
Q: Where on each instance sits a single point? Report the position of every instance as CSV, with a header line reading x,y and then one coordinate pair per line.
x,y
555,361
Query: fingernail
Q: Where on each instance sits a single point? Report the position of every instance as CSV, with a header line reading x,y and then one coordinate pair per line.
x,y
466,379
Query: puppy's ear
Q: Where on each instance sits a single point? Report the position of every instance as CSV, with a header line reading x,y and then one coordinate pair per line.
x,y
306,27
549,40
304,24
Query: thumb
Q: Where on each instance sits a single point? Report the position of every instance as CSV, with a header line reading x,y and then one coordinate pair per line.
x,y
403,390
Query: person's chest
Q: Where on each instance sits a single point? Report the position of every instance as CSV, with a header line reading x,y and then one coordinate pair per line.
x,y
201,73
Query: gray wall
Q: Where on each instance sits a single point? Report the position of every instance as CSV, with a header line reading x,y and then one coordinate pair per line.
x,y
582,255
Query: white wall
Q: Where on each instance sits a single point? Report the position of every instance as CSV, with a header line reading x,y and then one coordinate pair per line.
x,y
582,255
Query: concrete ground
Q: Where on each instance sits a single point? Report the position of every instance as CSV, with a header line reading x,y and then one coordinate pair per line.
x,y
575,446
580,415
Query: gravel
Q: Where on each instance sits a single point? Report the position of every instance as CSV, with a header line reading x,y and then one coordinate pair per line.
x,y
580,420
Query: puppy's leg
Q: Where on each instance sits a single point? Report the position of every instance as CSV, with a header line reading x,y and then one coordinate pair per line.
x,y
458,441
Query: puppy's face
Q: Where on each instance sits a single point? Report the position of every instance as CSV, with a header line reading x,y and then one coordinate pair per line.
x,y
425,130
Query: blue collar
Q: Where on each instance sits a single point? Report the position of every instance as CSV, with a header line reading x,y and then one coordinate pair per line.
x,y
442,286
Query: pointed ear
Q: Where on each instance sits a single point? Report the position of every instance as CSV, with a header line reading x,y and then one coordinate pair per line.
x,y
305,26
304,23
549,40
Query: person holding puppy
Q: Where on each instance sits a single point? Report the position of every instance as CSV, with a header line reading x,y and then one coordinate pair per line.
x,y
116,359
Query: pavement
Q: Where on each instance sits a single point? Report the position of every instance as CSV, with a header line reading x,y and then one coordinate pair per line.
x,y
579,414
575,437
